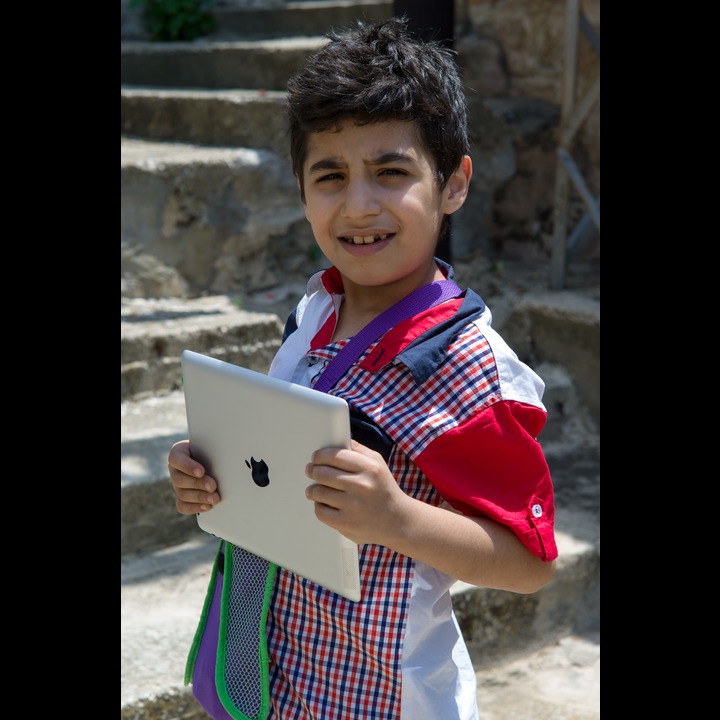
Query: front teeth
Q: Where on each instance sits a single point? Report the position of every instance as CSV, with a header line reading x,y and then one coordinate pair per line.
x,y
365,240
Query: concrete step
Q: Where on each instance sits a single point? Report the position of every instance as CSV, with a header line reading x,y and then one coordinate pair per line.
x,y
560,681
153,334
551,635
233,118
148,518
274,20
561,327
308,17
209,220
204,63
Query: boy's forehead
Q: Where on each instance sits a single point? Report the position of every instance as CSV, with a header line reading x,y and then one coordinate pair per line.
x,y
369,140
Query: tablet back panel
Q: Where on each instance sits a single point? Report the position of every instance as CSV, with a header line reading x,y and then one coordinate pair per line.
x,y
255,434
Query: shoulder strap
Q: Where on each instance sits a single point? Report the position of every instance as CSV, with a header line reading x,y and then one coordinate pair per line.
x,y
421,299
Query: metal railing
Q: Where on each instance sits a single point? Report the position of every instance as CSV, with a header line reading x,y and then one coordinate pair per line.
x,y
573,112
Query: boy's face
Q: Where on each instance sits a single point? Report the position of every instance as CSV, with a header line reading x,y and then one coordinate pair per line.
x,y
374,204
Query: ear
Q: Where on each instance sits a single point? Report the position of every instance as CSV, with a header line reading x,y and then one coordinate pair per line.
x,y
456,190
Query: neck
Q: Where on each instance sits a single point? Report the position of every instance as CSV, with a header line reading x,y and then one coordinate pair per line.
x,y
363,304
373,300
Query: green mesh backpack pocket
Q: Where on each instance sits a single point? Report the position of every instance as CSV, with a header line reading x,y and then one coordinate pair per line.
x,y
228,662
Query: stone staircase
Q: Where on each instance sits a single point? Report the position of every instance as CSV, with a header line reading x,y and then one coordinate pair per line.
x,y
201,124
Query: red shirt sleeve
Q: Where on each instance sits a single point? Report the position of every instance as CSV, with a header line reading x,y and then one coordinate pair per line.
x,y
493,465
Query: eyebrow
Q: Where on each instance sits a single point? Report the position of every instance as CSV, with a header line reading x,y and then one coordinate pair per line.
x,y
384,158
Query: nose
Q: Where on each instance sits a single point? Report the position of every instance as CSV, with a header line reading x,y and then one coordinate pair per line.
x,y
360,199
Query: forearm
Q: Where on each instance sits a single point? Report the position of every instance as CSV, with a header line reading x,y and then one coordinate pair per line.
x,y
476,550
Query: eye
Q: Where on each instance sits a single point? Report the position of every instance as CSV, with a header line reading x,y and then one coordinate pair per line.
x,y
329,177
392,171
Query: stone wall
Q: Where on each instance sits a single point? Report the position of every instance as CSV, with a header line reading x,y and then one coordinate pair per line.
x,y
525,40
532,37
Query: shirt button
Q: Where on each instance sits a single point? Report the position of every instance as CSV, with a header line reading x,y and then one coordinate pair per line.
x,y
537,511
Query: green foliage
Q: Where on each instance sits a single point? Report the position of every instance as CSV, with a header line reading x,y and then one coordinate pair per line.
x,y
168,20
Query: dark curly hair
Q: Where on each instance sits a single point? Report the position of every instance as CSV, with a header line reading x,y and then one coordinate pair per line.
x,y
379,71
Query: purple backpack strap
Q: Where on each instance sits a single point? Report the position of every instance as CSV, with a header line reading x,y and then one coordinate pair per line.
x,y
421,299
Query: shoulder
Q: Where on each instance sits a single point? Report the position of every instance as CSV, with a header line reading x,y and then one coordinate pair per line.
x,y
515,379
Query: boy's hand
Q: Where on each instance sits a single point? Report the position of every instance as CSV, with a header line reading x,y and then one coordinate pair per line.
x,y
355,493
194,490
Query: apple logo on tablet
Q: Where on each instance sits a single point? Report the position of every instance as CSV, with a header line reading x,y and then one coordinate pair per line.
x,y
259,470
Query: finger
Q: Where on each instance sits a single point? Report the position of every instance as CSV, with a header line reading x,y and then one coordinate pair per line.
x,y
186,507
328,456
328,475
325,496
351,460
190,490
179,458
182,481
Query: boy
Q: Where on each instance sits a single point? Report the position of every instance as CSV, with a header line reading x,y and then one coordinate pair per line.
x,y
445,479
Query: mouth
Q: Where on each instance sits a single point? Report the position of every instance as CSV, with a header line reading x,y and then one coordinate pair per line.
x,y
363,239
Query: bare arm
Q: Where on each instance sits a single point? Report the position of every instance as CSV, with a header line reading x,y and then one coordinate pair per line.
x,y
355,493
